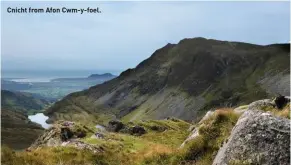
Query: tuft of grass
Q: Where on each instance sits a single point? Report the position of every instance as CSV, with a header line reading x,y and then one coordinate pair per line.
x,y
201,150
243,107
162,137
285,112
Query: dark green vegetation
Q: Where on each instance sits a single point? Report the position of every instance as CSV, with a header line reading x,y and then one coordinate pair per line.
x,y
27,103
17,131
183,80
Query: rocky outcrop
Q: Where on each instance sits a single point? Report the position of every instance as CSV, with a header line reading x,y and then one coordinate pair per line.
x,y
137,130
82,145
66,133
257,138
115,126
118,126
192,136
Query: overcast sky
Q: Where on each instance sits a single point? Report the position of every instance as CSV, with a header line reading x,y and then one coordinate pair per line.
x,y
125,33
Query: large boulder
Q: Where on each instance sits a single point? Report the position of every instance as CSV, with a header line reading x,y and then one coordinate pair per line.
x,y
137,130
257,138
118,126
115,126
260,103
60,132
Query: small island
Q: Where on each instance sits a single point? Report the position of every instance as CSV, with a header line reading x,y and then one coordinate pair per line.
x,y
105,75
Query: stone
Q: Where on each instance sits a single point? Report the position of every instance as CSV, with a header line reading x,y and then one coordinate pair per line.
x,y
261,103
83,146
98,135
257,138
194,130
138,130
192,136
115,126
66,134
158,128
206,116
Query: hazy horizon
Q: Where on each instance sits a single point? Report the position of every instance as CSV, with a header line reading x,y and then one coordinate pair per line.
x,y
126,33
50,74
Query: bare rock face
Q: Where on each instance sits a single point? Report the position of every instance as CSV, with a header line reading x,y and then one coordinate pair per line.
x,y
257,138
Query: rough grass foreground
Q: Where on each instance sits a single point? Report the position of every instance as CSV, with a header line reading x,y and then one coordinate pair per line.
x,y
162,137
201,150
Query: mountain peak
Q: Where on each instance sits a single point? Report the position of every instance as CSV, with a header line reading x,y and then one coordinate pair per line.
x,y
184,80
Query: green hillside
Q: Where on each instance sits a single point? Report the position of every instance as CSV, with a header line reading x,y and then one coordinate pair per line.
x,y
183,80
17,131
27,103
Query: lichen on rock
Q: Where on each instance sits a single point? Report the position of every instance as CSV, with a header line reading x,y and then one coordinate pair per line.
x,y
257,138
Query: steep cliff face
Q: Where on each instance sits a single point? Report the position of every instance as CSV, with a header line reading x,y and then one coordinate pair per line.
x,y
183,80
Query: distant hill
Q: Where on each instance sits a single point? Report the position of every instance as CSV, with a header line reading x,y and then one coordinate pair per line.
x,y
105,75
93,77
11,85
23,101
184,80
17,131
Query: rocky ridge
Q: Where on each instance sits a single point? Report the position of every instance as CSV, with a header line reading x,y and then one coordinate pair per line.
x,y
183,80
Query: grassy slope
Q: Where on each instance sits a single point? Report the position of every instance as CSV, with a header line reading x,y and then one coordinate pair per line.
x,y
182,80
17,131
24,102
159,146
118,148
201,150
